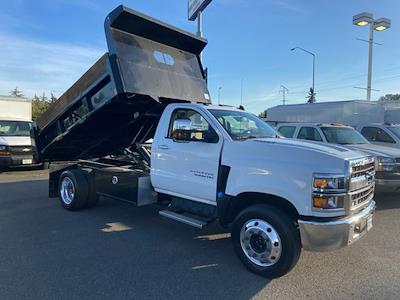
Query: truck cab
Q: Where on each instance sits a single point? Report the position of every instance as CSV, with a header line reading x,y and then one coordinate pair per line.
x,y
206,163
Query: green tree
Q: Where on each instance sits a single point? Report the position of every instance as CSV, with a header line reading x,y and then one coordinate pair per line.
x,y
39,106
311,96
262,114
53,98
44,97
16,92
389,97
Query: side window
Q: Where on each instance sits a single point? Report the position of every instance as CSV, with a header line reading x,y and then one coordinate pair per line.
x,y
287,131
309,133
189,125
375,134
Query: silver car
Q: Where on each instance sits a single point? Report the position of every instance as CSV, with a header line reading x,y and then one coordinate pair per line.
x,y
387,159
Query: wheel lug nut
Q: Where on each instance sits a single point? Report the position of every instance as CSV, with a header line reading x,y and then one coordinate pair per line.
x,y
276,244
269,229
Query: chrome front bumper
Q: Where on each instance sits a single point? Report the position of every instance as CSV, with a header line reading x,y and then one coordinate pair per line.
x,y
328,236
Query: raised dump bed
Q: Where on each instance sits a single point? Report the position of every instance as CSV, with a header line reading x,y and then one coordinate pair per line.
x,y
118,101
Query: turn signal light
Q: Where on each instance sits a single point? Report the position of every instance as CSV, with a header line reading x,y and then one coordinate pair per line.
x,y
320,202
4,153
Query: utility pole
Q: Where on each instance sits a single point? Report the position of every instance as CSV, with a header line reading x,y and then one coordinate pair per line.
x,y
219,95
284,90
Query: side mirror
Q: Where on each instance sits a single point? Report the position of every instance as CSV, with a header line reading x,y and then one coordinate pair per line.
x,y
182,131
182,124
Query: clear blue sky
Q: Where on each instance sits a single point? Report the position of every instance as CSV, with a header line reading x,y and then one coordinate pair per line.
x,y
45,45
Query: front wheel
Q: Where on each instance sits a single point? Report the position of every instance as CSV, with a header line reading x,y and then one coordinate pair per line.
x,y
266,240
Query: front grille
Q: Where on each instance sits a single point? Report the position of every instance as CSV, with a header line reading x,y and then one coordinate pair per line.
x,y
361,170
362,197
361,189
21,150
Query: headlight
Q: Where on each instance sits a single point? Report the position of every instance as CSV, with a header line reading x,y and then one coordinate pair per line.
x,y
328,182
328,201
386,164
329,191
4,151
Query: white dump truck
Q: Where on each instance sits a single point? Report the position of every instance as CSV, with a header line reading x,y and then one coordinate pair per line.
x,y
139,127
17,143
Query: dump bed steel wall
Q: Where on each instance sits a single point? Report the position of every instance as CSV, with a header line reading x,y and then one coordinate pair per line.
x,y
118,101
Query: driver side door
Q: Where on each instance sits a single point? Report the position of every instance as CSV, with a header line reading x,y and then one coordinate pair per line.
x,y
186,161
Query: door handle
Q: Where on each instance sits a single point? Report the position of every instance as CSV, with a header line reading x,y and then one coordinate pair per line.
x,y
163,147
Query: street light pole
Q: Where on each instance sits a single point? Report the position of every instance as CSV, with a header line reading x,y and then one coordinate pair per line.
x,y
378,25
219,95
313,65
200,28
371,43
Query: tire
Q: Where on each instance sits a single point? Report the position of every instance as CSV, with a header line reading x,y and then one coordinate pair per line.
x,y
266,240
93,197
73,190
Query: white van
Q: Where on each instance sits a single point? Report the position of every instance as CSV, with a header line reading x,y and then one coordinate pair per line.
x,y
17,143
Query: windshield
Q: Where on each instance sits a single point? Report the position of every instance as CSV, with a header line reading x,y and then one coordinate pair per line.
x,y
15,128
242,125
395,130
343,135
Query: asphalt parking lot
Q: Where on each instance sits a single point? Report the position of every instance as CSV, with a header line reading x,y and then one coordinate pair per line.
x,y
117,251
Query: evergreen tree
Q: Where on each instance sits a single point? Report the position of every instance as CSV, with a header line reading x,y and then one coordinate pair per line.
x,y
311,96
389,97
53,98
16,92
43,97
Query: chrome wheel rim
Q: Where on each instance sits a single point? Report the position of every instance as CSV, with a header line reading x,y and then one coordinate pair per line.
x,y
260,243
67,190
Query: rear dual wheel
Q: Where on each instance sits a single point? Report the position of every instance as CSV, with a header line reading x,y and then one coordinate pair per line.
x,y
75,190
266,241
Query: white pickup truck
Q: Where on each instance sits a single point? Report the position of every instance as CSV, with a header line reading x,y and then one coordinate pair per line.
x,y
206,163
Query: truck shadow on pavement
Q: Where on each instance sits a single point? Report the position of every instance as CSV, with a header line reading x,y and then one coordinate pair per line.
x,y
117,250
190,262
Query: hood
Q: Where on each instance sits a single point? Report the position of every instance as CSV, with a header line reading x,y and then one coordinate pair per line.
x,y
376,150
16,140
323,148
